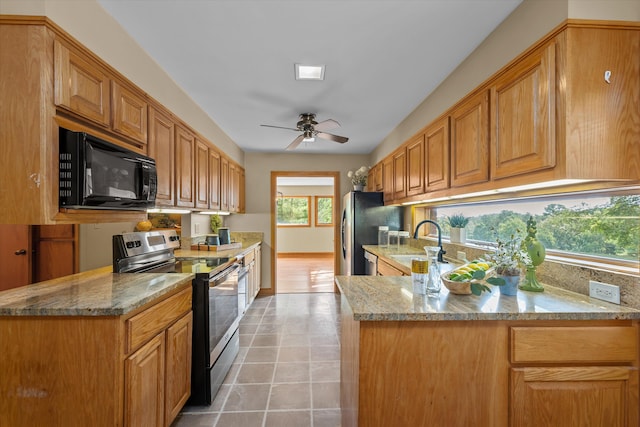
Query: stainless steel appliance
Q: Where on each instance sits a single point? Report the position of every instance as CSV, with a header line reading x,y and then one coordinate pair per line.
x,y
217,304
362,213
95,174
371,264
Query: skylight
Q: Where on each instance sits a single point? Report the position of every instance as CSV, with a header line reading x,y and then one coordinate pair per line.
x,y
309,72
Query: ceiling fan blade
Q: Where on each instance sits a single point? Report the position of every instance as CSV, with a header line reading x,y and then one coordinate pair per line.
x,y
295,143
336,138
326,125
279,127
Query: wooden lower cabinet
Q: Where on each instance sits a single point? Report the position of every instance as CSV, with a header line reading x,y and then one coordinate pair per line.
x,y
464,373
385,269
132,370
144,379
157,383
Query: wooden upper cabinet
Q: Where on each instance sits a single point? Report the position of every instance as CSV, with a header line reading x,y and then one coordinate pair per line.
x,y
202,174
224,184
378,184
415,166
80,85
436,143
601,118
162,149
214,179
129,113
185,163
234,187
387,178
523,120
470,141
399,174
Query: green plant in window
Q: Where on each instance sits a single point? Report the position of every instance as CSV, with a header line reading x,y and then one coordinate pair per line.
x,y
458,221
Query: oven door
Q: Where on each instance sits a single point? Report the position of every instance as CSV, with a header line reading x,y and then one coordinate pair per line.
x,y
224,316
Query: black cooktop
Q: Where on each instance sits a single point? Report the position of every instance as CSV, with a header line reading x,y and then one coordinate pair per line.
x,y
201,265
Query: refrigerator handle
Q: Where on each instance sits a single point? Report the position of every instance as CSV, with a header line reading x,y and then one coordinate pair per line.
x,y
344,245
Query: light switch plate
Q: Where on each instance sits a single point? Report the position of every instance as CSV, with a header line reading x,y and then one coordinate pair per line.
x,y
604,291
462,256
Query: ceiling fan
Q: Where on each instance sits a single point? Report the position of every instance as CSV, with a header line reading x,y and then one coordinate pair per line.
x,y
311,129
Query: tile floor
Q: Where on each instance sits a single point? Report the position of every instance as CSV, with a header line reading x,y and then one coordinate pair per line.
x,y
288,370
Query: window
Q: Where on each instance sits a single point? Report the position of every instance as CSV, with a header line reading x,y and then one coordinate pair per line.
x,y
293,211
602,227
324,211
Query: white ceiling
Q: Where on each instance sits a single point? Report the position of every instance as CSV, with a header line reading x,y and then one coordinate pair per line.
x,y
236,59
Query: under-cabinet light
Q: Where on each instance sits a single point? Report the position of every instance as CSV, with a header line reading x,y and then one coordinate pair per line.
x,y
214,213
169,211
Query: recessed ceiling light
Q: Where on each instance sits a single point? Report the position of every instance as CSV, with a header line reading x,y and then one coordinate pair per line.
x,y
309,72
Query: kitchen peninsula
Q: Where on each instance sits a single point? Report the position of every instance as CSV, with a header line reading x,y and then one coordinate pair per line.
x,y
548,358
100,349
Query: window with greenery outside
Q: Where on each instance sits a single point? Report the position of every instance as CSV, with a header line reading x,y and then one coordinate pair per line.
x,y
324,210
293,211
580,225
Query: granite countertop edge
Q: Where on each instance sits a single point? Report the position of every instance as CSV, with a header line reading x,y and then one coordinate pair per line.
x,y
390,298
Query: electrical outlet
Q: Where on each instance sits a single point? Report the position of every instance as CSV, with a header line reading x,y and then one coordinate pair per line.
x,y
462,255
604,291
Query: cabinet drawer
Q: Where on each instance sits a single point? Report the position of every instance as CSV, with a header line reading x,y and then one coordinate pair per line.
x,y
574,344
145,325
248,257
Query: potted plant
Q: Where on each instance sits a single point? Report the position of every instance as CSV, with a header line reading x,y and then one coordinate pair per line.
x,y
458,233
508,259
359,178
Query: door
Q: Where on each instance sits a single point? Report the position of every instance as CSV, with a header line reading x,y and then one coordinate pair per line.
x,y
15,256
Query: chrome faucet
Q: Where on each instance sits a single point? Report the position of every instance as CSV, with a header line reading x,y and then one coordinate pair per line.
x,y
442,251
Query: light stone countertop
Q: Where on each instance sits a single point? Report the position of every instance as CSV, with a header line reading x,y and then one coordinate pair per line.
x,y
381,298
98,292
247,245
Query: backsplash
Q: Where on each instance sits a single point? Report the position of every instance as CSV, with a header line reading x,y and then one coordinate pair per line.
x,y
562,275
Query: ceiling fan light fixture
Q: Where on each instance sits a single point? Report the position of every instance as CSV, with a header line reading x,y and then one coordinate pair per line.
x,y
308,136
309,72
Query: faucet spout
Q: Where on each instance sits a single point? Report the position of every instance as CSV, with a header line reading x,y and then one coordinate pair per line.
x,y
442,251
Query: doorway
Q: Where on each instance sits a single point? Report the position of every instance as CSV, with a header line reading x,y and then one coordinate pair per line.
x,y
304,231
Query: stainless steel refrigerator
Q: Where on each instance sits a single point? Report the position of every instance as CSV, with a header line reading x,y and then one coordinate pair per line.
x,y
362,213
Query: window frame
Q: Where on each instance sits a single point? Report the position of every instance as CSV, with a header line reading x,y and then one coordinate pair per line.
x,y
317,216
307,224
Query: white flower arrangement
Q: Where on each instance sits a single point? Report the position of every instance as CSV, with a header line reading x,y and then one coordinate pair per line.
x,y
510,256
359,177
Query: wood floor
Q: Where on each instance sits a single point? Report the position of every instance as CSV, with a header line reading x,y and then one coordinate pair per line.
x,y
298,273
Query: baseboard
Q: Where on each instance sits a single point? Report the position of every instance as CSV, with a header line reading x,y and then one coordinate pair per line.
x,y
305,254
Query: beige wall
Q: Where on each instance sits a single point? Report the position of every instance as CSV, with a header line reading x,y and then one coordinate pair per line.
x,y
527,23
95,243
306,239
92,26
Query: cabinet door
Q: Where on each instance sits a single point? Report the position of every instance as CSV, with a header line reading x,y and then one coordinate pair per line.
x,y
214,179
399,174
178,373
574,396
234,187
436,143
523,121
80,85
224,184
470,141
202,174
144,385
415,166
377,178
129,113
387,179
185,155
161,149
56,251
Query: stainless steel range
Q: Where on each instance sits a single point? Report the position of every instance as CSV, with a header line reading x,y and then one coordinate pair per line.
x,y
217,308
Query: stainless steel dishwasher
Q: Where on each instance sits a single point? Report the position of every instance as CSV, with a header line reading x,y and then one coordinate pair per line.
x,y
371,264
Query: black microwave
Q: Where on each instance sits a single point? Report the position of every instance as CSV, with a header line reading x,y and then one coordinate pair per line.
x,y
96,174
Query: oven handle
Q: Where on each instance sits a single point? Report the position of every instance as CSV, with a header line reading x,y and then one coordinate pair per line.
x,y
224,273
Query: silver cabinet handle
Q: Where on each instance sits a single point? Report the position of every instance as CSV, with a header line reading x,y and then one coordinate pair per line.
x,y
21,252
